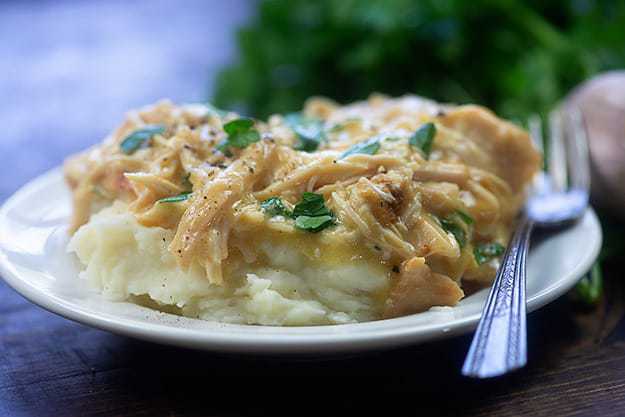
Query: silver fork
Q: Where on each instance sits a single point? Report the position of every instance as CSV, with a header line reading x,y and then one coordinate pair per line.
x,y
559,197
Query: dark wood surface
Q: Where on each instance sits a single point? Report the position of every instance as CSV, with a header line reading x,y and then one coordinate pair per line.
x,y
53,367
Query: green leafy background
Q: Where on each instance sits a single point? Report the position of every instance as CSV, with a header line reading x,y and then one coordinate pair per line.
x,y
518,57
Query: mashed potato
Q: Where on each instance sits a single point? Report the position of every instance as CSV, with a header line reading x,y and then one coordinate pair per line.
x,y
123,259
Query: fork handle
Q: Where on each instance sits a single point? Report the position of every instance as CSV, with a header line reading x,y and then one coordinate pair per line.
x,y
500,341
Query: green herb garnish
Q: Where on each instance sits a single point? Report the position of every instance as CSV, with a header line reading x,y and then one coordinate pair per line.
x,y
137,138
314,224
423,139
241,134
450,225
487,251
311,205
465,217
310,213
309,131
176,198
369,147
274,206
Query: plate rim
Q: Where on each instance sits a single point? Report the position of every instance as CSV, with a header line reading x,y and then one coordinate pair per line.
x,y
299,340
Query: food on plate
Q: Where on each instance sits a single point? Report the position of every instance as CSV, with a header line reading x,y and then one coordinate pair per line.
x,y
336,214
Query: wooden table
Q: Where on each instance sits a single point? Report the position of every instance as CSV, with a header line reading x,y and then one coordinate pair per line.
x,y
53,367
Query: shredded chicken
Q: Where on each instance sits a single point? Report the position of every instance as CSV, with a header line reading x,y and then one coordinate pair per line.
x,y
423,211
202,232
418,288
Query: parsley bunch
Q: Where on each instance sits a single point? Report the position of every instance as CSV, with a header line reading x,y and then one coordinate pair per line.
x,y
515,56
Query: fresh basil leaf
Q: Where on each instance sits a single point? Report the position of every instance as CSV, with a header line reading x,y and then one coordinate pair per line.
x,y
423,139
311,205
314,224
274,206
369,147
177,198
487,251
244,139
465,217
236,126
137,138
309,131
455,229
241,134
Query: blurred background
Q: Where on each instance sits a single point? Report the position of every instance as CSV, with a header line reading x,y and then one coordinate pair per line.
x,y
71,69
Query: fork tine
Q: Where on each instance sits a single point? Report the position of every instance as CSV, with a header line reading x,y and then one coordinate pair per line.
x,y
556,165
577,150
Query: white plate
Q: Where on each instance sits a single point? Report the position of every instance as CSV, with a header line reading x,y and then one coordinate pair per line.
x,y
34,262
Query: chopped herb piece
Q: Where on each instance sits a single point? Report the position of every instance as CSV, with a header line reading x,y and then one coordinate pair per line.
x,y
241,133
392,139
238,126
311,205
370,147
176,198
449,225
487,251
465,217
314,224
137,138
423,139
309,131
274,206
310,214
